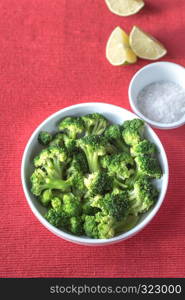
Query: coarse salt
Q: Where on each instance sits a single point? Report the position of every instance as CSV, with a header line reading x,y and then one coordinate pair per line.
x,y
162,101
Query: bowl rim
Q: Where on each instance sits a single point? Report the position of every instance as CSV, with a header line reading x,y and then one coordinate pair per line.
x,y
89,241
134,107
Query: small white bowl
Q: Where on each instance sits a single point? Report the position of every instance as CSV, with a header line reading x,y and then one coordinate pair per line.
x,y
155,72
116,115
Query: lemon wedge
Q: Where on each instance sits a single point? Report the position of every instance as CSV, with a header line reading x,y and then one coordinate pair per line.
x,y
118,51
145,46
125,7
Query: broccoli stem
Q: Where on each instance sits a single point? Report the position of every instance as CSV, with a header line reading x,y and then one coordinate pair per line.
x,y
58,184
119,183
98,128
93,162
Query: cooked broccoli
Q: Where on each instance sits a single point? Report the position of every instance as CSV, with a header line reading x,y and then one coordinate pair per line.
x,y
148,165
53,217
49,171
94,178
144,147
44,138
58,140
90,226
95,124
77,184
76,225
143,196
133,131
98,183
70,145
51,160
106,226
57,218
117,204
71,205
120,165
45,197
126,224
114,135
87,209
56,203
93,146
41,181
72,126
78,164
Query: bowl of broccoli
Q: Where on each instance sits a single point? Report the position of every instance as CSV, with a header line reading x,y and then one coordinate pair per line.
x,y
94,173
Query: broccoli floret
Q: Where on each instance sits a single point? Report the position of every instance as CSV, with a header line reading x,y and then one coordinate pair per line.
x,y
58,140
53,217
118,165
77,184
51,160
98,183
57,219
143,196
49,171
45,197
106,226
91,227
63,140
70,145
116,204
44,138
98,202
144,147
71,205
126,224
76,225
87,209
72,126
133,131
149,166
78,164
95,124
93,146
56,203
114,135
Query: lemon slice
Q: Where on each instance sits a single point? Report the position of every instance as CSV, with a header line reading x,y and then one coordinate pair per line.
x,y
145,46
125,7
118,51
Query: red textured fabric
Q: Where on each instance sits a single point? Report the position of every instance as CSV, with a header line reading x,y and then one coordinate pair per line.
x,y
52,55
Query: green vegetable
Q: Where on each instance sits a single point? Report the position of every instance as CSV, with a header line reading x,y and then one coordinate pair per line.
x,y
91,227
143,196
95,178
94,146
144,147
44,138
58,140
114,135
98,183
133,131
148,166
95,124
72,126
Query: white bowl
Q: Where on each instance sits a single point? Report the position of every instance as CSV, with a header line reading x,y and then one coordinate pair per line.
x,y
154,72
116,115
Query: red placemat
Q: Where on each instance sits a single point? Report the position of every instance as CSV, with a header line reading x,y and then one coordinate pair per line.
x,y
52,54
